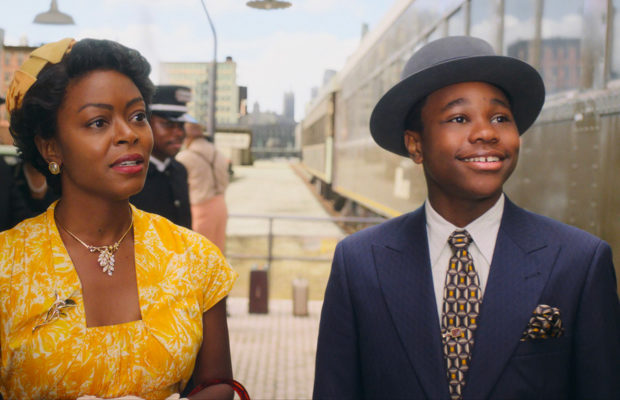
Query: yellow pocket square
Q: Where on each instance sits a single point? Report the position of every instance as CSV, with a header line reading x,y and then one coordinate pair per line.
x,y
545,323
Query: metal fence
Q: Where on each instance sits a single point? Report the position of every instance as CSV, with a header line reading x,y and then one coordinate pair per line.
x,y
259,153
270,218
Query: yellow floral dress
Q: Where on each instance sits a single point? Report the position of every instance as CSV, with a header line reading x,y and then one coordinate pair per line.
x,y
180,275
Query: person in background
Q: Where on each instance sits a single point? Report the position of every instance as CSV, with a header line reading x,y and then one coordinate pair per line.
x,y
31,186
166,189
207,170
6,180
12,207
99,298
469,296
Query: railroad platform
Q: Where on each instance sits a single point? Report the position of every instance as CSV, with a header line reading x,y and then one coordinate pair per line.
x,y
273,354
273,188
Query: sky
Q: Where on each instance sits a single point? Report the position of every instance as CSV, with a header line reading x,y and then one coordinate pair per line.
x,y
276,51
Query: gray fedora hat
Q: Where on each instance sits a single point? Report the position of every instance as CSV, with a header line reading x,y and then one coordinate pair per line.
x,y
447,61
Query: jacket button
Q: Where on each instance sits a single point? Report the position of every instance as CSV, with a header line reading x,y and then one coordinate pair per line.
x,y
177,203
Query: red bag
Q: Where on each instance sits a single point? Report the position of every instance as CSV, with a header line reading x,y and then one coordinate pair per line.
x,y
237,387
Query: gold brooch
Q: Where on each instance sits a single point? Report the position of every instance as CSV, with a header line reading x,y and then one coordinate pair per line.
x,y
57,310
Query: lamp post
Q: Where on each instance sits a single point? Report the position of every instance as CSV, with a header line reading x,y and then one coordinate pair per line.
x,y
268,4
53,16
263,4
212,78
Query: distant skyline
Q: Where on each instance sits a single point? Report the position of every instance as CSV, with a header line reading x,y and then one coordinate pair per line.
x,y
276,51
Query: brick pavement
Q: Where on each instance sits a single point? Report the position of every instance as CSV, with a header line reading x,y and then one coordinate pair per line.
x,y
273,354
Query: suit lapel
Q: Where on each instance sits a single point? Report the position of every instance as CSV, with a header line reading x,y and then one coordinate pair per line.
x,y
521,264
404,275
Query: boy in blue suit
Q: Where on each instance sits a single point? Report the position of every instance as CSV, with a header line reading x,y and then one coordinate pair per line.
x,y
470,296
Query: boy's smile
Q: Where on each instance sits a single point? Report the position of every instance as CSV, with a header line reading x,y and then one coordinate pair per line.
x,y
469,145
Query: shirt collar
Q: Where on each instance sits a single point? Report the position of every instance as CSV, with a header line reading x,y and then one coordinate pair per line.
x,y
159,165
483,229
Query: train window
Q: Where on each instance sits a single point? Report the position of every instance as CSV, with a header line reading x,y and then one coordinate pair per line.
x,y
593,44
393,74
435,34
442,27
560,45
429,12
614,70
485,21
456,23
519,29
412,21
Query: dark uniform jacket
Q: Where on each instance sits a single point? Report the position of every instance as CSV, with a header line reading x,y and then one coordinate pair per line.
x,y
33,206
12,206
166,193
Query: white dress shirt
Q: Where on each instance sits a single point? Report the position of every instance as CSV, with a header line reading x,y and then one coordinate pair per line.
x,y
159,165
483,231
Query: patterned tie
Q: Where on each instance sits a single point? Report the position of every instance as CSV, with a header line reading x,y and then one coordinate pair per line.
x,y
461,305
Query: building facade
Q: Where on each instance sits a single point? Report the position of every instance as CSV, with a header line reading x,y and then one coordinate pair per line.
x,y
11,58
196,75
288,109
273,135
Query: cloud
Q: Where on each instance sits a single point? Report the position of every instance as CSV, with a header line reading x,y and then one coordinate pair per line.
x,y
275,51
326,6
154,43
213,6
268,65
290,61
568,26
516,29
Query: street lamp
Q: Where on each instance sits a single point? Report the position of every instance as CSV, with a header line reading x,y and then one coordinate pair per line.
x,y
53,16
268,4
265,5
213,78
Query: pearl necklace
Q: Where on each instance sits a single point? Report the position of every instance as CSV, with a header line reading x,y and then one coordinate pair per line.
x,y
106,253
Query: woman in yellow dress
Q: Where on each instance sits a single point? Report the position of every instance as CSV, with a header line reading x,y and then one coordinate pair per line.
x,y
98,298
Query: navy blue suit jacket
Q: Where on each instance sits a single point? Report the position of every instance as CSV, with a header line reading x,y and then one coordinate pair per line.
x,y
379,334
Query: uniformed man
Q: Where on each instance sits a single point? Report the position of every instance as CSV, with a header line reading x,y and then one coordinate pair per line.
x,y
166,190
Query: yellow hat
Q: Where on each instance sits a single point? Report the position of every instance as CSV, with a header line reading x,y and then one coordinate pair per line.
x,y
27,74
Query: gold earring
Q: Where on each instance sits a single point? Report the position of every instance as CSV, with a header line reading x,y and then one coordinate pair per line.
x,y
54,167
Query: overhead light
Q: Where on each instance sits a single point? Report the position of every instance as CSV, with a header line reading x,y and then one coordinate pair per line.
x,y
268,4
53,16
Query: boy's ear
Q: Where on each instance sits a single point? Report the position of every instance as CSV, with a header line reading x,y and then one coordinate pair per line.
x,y
49,149
413,143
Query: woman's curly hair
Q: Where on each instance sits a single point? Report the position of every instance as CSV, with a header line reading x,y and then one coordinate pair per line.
x,y
38,114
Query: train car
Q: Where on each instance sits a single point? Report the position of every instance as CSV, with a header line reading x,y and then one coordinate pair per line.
x,y
317,134
569,167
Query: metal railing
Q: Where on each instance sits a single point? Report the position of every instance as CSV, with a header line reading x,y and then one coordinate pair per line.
x,y
271,152
270,235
